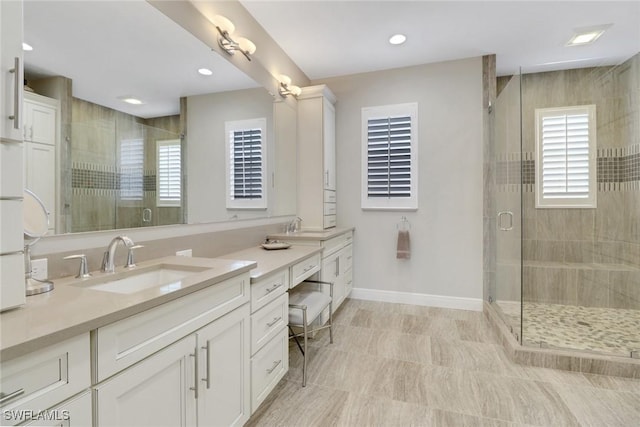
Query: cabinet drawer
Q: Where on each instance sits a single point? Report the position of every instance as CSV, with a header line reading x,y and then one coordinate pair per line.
x,y
11,164
46,377
346,258
11,223
268,366
268,289
12,280
304,269
332,245
348,283
329,208
329,196
268,321
130,340
330,221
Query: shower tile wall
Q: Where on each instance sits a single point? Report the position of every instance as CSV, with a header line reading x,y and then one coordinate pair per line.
x,y
587,257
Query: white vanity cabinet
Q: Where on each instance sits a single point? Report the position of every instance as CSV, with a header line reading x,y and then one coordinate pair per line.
x,y
269,337
75,412
182,363
317,158
12,292
34,383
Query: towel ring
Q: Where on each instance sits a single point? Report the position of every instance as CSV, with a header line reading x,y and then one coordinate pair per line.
x,y
404,224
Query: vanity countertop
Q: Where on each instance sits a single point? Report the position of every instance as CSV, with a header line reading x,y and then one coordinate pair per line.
x,y
312,235
70,310
271,261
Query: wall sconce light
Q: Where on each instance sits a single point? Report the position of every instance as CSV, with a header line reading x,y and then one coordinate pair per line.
x,y
225,28
286,88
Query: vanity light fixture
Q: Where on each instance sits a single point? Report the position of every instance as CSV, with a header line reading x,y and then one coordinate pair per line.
x,y
225,28
205,71
27,47
397,39
584,36
286,88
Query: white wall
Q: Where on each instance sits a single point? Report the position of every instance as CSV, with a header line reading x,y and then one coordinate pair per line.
x,y
446,230
206,116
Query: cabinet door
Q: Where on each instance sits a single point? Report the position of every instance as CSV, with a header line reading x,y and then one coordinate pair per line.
x,y
76,412
329,144
224,389
11,82
158,391
40,123
330,272
41,176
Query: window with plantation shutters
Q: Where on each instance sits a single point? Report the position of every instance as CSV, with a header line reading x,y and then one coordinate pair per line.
x,y
566,157
389,157
131,174
169,173
246,164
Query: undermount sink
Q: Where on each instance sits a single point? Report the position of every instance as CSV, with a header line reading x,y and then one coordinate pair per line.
x,y
166,277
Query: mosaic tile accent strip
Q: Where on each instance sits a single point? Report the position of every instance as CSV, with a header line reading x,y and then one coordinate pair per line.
x,y
90,176
600,330
618,169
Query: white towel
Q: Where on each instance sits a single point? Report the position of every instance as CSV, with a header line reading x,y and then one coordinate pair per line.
x,y
404,246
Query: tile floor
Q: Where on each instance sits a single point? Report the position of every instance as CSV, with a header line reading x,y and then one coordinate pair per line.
x,y
404,365
613,331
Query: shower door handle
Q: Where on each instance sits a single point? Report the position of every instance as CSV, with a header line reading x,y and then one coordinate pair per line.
x,y
146,215
500,224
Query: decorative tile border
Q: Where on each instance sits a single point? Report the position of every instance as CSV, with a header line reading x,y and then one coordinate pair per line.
x,y
91,176
618,169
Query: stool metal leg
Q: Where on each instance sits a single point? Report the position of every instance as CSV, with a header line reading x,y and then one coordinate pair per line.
x,y
331,322
304,356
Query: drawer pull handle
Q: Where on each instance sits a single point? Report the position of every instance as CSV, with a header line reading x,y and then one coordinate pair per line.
x,y
208,364
275,365
274,321
274,287
5,398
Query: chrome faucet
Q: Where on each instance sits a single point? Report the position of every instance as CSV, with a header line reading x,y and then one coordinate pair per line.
x,y
108,264
294,225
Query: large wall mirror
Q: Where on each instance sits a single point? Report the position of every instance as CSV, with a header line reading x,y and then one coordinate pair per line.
x,y
141,137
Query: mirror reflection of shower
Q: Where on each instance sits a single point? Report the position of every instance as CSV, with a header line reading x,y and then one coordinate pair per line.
x,y
36,225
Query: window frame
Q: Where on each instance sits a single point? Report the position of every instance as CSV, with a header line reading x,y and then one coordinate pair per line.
x,y
390,203
589,202
160,202
243,125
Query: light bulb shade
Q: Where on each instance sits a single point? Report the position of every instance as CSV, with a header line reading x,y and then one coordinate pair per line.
x,y
285,80
295,90
224,24
246,45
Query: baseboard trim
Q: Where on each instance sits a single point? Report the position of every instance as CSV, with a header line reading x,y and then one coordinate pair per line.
x,y
472,304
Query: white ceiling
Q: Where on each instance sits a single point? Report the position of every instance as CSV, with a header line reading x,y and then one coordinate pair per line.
x,y
114,49
332,38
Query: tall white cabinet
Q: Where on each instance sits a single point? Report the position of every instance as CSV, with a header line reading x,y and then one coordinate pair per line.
x,y
317,158
12,292
41,130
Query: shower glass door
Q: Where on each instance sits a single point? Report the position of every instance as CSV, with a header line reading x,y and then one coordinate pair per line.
x,y
507,298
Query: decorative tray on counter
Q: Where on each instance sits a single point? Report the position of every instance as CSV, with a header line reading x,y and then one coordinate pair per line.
x,y
275,244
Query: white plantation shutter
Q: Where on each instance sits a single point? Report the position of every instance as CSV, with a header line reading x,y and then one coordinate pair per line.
x,y
169,173
131,169
246,169
389,157
566,144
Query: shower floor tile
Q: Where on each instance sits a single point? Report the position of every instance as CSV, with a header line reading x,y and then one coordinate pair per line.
x,y
601,330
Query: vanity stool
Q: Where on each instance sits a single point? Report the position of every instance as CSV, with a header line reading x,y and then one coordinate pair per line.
x,y
305,306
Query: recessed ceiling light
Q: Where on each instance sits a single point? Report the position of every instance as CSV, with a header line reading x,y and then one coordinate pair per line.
x,y
205,71
397,39
584,36
132,101
26,47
